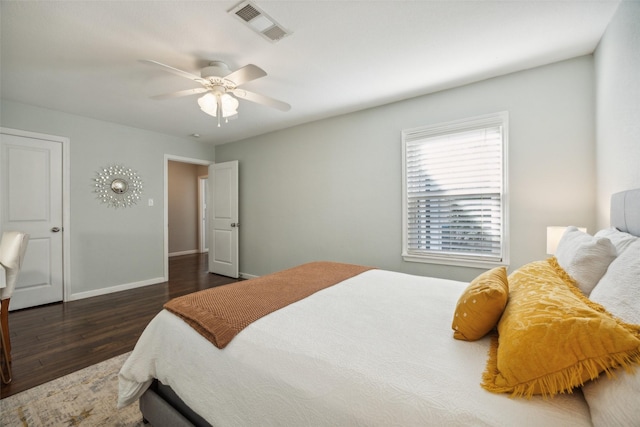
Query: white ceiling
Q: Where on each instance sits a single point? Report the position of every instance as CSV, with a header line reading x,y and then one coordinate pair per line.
x,y
82,57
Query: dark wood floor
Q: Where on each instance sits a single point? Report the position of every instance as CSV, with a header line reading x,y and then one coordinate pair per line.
x,y
54,340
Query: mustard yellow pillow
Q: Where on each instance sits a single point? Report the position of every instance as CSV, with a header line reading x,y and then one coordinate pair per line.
x,y
551,338
480,305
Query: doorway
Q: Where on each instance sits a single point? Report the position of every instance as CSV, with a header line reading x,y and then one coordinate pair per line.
x,y
203,188
182,207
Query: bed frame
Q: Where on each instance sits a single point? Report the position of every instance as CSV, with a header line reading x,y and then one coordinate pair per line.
x,y
625,211
161,406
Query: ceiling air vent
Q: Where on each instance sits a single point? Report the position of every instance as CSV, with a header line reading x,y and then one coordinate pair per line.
x,y
259,21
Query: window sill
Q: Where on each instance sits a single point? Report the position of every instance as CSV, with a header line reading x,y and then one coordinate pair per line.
x,y
454,261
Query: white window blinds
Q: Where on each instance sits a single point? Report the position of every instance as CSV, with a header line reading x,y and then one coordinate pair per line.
x,y
454,191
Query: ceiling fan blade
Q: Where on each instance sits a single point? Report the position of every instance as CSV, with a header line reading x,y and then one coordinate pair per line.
x,y
246,74
178,94
174,70
261,99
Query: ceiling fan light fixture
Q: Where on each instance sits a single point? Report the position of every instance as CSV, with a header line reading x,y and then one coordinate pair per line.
x,y
209,104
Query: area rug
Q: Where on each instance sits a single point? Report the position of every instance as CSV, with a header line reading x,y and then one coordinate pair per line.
x,y
83,398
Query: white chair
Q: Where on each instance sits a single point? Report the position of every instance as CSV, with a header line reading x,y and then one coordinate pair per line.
x,y
12,249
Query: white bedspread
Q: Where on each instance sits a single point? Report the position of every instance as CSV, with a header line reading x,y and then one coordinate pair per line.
x,y
374,350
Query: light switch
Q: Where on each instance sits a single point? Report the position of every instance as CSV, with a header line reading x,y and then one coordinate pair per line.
x,y
150,202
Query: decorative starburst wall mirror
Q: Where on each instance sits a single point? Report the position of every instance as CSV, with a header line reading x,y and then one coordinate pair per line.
x,y
118,186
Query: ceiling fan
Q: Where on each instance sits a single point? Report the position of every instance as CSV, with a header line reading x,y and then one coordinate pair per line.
x,y
219,84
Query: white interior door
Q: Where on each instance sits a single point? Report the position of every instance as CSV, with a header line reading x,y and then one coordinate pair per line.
x,y
31,198
223,214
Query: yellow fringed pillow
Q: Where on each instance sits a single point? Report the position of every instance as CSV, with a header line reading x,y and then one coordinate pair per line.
x,y
551,338
480,305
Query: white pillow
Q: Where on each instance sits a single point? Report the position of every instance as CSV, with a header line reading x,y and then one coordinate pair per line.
x,y
614,402
584,257
619,289
620,239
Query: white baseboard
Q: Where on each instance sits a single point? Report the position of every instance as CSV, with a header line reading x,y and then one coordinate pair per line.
x,y
128,286
192,251
117,288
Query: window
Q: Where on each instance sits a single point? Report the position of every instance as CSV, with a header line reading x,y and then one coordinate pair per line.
x,y
454,186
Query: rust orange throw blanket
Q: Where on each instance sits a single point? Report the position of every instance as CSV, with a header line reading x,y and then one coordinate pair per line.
x,y
219,314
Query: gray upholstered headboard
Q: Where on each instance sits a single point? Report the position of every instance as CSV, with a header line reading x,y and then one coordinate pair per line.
x,y
625,211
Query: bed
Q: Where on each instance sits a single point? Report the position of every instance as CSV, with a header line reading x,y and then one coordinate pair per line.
x,y
378,349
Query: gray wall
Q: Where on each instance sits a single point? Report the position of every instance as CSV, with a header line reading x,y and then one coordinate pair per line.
x,y
617,60
109,247
332,189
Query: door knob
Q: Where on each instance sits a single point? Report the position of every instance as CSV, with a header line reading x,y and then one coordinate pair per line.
x,y
55,229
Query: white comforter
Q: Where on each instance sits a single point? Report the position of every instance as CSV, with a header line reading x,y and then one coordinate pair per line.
x,y
374,350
